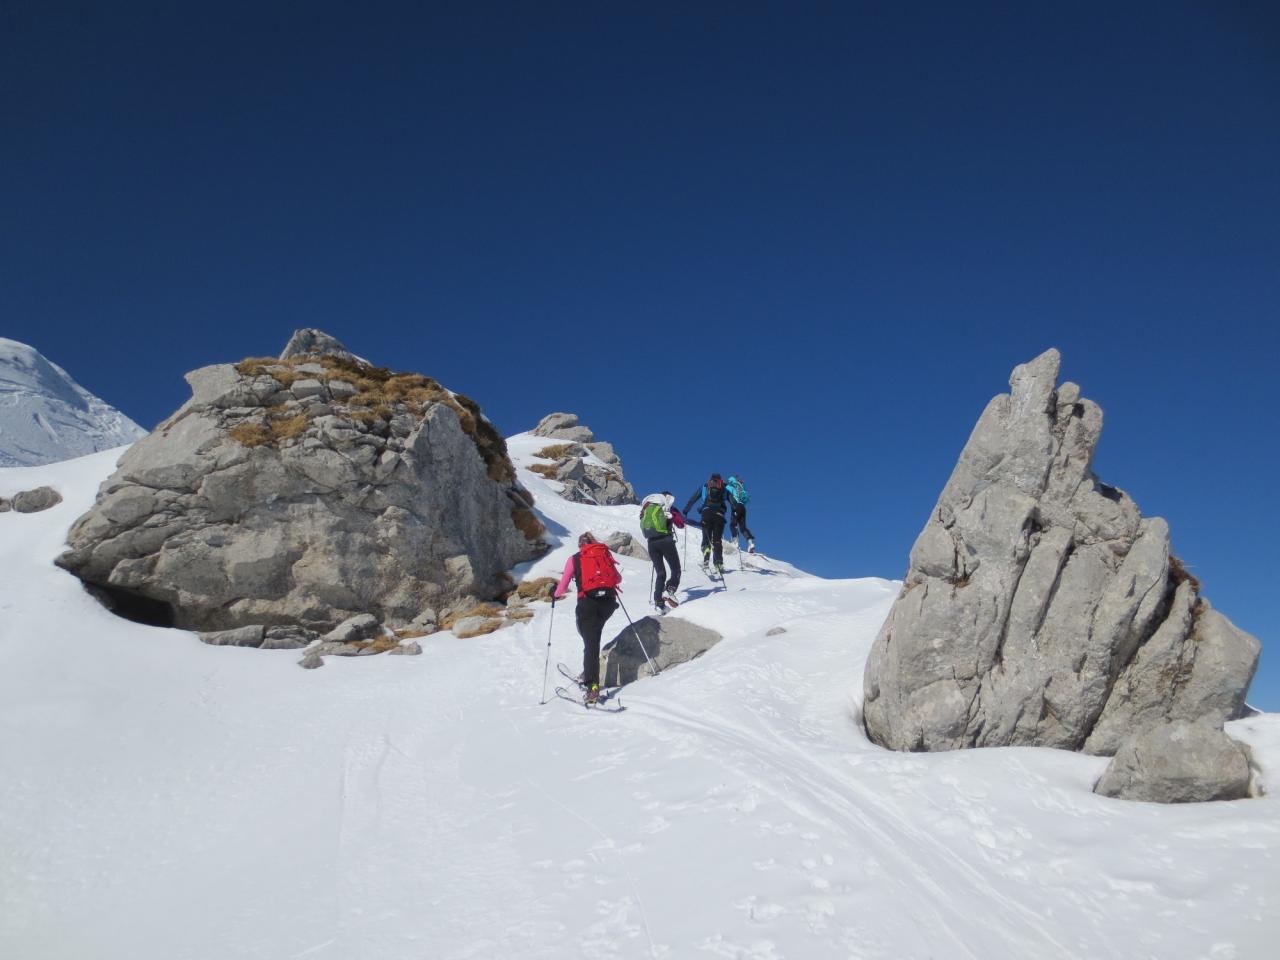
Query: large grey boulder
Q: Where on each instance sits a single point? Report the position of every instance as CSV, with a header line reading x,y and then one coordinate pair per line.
x,y
264,502
590,471
627,545
1039,606
667,640
33,501
1177,762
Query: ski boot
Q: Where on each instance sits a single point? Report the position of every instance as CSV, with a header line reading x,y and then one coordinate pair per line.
x,y
592,695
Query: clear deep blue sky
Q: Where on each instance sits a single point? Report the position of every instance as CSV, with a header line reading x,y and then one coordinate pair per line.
x,y
804,242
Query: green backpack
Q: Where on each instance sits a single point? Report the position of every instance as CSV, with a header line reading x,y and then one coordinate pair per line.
x,y
654,522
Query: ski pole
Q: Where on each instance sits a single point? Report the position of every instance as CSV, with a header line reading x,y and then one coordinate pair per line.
x,y
546,666
652,666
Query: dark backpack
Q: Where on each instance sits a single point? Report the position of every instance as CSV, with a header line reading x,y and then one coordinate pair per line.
x,y
595,571
715,497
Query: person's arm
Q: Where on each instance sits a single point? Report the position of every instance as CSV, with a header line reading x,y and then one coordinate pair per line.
x,y
677,518
563,586
697,495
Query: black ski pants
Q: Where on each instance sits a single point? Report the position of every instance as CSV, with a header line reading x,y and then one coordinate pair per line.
x,y
739,522
713,537
592,614
664,555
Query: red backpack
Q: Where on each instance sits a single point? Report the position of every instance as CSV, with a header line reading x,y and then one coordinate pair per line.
x,y
594,569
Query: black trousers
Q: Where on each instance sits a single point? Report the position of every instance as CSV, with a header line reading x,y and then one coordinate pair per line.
x,y
664,555
712,537
592,614
739,522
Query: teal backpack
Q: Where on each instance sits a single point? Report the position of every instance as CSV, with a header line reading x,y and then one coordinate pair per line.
x,y
738,491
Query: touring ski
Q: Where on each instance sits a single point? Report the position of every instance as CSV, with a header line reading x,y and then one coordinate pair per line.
x,y
605,704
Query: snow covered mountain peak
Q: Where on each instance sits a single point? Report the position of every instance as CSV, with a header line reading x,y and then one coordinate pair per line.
x,y
45,416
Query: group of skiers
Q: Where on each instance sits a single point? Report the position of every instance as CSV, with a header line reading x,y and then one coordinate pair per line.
x,y
596,576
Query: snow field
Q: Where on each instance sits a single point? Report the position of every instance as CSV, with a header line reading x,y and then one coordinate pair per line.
x,y
163,798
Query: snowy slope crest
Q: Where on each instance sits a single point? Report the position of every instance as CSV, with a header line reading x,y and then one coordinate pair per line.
x,y
45,416
162,798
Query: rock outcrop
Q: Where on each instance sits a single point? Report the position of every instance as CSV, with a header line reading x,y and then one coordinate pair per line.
x,y
590,470
31,501
1040,607
300,492
1177,762
667,640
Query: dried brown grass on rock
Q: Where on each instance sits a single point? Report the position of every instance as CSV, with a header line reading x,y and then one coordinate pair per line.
x,y
377,645
539,589
1178,573
286,428
381,391
479,610
557,451
250,434
548,470
480,629
527,523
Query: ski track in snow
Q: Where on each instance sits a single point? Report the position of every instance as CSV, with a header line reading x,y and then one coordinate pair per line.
x,y
162,798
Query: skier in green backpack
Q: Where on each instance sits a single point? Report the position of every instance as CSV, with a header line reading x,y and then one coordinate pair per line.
x,y
658,520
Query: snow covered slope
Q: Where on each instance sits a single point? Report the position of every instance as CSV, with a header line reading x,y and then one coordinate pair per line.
x,y
45,416
160,798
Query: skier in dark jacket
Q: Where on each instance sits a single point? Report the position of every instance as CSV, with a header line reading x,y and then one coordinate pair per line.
x,y
658,521
714,503
597,579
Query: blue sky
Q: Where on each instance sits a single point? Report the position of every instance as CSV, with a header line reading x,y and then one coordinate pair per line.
x,y
803,242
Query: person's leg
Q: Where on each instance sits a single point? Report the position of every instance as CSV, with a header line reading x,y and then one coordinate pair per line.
x,y
716,528
742,522
585,615
706,539
672,556
601,609
656,554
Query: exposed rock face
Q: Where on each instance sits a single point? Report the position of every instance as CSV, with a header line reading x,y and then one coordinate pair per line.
x,y
667,640
310,342
304,492
1040,607
590,471
1177,762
